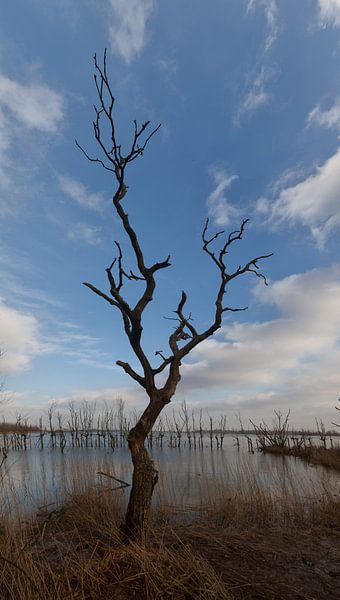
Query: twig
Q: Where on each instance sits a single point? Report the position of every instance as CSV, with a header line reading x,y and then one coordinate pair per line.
x,y
124,483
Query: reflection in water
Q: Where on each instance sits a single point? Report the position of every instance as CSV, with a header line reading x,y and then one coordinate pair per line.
x,y
186,476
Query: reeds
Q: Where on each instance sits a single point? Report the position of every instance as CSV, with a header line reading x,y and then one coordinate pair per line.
x,y
243,542
279,439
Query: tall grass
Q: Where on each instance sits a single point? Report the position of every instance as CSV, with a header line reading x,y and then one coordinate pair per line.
x,y
238,541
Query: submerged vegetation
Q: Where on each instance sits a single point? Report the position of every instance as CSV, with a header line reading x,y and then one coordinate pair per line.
x,y
278,439
86,427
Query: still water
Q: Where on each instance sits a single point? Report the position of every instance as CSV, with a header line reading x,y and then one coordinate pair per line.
x,y
34,478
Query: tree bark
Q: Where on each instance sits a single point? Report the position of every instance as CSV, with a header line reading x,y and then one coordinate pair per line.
x,y
145,475
144,479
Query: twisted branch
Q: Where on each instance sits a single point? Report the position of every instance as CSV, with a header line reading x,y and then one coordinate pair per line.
x,y
185,336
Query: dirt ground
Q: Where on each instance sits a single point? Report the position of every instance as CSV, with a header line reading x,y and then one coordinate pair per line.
x,y
271,564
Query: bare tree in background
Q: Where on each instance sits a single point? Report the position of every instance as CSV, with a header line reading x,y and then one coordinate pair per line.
x,y
185,336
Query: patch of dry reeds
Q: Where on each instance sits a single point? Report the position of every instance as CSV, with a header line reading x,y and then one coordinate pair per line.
x,y
78,552
319,455
277,439
240,542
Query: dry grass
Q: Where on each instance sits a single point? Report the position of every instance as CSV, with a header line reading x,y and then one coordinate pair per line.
x,y
316,455
243,543
77,552
21,428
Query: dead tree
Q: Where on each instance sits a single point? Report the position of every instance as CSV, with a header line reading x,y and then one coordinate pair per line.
x,y
185,336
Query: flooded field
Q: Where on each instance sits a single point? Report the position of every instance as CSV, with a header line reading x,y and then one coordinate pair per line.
x,y
187,476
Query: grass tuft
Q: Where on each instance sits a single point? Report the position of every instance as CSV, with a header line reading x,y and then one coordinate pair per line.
x,y
244,542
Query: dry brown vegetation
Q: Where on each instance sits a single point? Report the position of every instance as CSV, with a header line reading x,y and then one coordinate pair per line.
x,y
316,455
278,439
327,457
241,543
7,427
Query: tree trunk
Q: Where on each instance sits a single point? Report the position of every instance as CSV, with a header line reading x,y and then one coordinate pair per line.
x,y
145,475
144,479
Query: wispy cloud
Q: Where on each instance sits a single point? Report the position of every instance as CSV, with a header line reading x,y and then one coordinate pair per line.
x,y
79,347
329,12
32,323
4,159
167,65
25,111
15,270
80,194
271,12
326,118
83,232
24,337
312,202
36,106
127,29
133,398
35,405
256,96
219,207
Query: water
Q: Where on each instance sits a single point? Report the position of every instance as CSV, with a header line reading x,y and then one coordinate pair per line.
x,y
186,476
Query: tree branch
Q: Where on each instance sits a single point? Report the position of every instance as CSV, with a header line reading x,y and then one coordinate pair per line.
x,y
185,336
219,260
129,370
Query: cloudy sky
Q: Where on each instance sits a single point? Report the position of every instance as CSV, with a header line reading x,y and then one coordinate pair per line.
x,y
248,95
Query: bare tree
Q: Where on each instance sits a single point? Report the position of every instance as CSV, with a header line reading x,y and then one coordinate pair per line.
x,y
185,336
337,408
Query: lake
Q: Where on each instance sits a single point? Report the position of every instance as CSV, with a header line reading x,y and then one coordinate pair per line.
x,y
187,476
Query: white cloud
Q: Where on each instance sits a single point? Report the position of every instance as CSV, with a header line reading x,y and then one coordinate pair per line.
x,y
82,232
329,12
313,202
256,96
292,359
16,269
25,109
79,193
4,147
133,398
168,66
326,118
35,405
22,337
272,14
127,29
19,339
219,207
34,105
78,347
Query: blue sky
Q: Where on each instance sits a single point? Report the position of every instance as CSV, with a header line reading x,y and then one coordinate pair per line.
x,y
248,95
